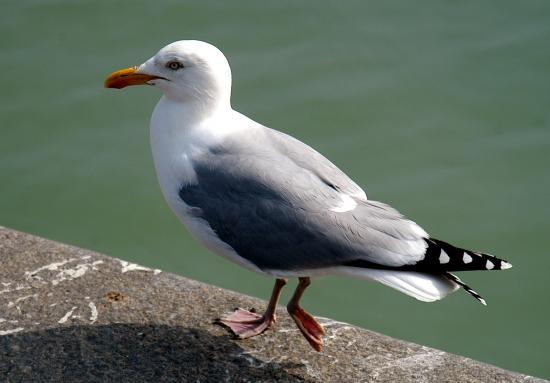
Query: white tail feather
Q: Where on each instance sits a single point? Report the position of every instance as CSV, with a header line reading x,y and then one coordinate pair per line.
x,y
422,286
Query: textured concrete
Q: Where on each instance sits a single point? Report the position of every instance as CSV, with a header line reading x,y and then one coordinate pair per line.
x,y
72,315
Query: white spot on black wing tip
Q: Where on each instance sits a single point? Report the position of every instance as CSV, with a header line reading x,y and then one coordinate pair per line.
x,y
489,265
467,258
443,257
505,265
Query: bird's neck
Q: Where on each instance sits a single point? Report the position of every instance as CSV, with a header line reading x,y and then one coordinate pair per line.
x,y
178,133
189,113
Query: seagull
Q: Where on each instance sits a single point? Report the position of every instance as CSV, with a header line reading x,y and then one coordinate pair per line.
x,y
274,205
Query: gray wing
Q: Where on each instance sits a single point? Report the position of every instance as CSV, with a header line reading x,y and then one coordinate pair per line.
x,y
307,158
275,212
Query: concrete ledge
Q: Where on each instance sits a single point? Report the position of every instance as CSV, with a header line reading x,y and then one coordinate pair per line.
x,y
72,315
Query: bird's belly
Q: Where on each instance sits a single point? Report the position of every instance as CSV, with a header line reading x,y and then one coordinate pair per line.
x,y
174,167
200,230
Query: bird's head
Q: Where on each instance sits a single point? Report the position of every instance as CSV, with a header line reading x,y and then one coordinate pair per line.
x,y
186,70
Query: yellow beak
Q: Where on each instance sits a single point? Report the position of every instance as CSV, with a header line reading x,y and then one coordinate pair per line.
x,y
126,77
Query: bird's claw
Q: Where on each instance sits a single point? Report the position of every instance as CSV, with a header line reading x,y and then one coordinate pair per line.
x,y
310,328
245,324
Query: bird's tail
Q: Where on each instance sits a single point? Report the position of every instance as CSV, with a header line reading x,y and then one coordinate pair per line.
x,y
429,279
443,257
426,287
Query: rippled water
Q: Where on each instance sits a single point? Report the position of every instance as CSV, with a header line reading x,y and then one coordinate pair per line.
x,y
442,110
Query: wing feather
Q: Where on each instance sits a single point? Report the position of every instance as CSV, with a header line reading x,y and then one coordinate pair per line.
x,y
275,211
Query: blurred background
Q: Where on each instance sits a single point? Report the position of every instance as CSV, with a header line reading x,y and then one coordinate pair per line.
x,y
440,108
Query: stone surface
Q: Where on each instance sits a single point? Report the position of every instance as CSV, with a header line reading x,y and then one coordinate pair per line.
x,y
72,315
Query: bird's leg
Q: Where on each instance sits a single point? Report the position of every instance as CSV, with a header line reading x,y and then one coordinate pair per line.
x,y
245,324
309,327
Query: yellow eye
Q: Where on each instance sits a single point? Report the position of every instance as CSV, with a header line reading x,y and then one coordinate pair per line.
x,y
174,65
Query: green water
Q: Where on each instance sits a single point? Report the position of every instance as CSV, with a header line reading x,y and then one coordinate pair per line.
x,y
440,108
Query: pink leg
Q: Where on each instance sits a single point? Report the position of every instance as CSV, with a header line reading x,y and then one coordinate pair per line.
x,y
310,328
245,324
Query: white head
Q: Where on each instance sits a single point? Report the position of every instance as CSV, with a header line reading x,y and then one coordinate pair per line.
x,y
185,71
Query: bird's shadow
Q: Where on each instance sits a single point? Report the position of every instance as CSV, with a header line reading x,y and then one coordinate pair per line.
x,y
131,353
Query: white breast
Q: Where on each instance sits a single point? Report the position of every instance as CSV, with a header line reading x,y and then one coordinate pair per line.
x,y
177,137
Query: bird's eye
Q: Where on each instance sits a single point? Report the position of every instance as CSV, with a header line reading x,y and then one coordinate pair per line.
x,y
174,65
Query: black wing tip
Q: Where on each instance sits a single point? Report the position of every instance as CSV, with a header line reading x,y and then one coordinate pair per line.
x,y
492,262
466,288
452,258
